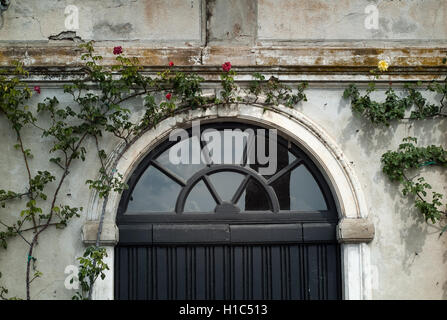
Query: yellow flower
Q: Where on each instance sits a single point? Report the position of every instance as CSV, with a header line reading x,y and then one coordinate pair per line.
x,y
382,65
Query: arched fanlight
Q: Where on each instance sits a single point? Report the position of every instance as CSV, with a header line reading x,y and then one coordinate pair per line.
x,y
162,191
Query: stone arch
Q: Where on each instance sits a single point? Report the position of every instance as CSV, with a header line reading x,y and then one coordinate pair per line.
x,y
354,229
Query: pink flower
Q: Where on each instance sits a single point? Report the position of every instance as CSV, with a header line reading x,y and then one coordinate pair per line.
x,y
117,50
37,89
171,64
168,96
226,66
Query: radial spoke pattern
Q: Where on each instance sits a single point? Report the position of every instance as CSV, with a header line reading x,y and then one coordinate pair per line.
x,y
233,188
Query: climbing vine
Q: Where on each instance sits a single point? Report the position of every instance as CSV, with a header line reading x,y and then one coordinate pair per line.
x,y
99,108
92,266
395,107
397,165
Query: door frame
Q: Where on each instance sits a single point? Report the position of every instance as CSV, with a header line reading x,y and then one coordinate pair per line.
x,y
310,137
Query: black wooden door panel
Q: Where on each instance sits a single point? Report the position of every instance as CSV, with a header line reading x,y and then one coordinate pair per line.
x,y
207,234
295,271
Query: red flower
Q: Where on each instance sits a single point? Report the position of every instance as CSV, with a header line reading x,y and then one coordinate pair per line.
x,y
226,66
171,64
117,50
37,89
168,96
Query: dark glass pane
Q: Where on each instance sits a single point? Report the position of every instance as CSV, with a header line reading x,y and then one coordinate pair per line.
x,y
254,198
291,157
200,199
282,159
226,183
187,168
298,191
154,192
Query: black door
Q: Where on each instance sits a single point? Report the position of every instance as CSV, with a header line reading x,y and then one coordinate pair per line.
x,y
220,230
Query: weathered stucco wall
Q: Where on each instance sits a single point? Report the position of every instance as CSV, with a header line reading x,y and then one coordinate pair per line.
x,y
235,20
321,19
104,20
326,44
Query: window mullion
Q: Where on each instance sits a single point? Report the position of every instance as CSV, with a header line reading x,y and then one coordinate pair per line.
x,y
240,189
212,190
283,171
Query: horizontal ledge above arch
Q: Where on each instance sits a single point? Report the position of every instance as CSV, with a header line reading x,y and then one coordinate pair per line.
x,y
298,59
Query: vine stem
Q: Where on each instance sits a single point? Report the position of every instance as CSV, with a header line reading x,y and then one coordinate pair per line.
x,y
18,231
46,225
39,226
101,218
417,193
420,197
19,137
18,195
25,158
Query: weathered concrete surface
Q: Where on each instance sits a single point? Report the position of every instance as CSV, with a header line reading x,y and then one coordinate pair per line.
x,y
345,19
231,21
151,20
355,231
336,59
109,233
247,33
195,22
